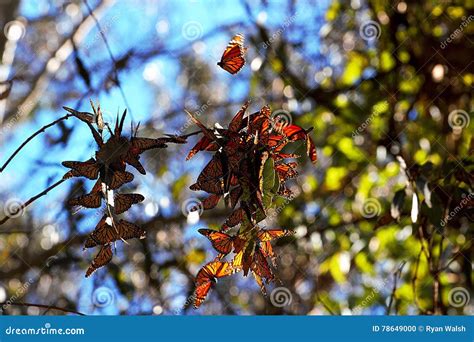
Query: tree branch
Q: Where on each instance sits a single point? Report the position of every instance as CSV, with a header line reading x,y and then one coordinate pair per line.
x,y
41,130
32,199
48,307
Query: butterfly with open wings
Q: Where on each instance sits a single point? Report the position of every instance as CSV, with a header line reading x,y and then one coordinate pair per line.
x,y
232,59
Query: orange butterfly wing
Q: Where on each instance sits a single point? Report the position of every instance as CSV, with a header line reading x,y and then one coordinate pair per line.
x,y
206,276
128,230
89,169
200,293
101,259
102,234
270,234
91,200
261,266
123,202
232,59
120,178
222,242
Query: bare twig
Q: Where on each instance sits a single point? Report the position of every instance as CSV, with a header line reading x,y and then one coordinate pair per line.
x,y
48,307
32,199
396,276
41,130
46,74
114,61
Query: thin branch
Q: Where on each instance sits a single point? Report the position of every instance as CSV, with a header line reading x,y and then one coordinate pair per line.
x,y
41,80
415,278
32,199
52,307
114,61
41,130
396,275
190,134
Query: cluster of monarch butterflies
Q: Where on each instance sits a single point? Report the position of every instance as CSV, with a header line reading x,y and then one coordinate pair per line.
x,y
108,168
248,169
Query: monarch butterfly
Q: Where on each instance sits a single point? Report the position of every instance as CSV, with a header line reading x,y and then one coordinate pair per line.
x,y
209,202
105,233
261,267
208,275
232,59
235,124
120,178
209,179
101,259
204,144
222,242
91,200
89,169
123,202
286,170
235,194
137,147
265,236
234,218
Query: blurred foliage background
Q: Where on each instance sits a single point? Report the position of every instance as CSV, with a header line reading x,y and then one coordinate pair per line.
x,y
384,222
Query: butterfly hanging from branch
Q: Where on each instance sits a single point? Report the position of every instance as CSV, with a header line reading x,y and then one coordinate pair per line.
x,y
232,59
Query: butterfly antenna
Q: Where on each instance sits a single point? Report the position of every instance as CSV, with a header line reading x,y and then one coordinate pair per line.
x,y
122,120
116,129
136,129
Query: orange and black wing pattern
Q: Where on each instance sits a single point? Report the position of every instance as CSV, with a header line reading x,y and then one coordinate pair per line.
x,y
271,234
123,202
222,242
102,234
232,59
101,259
120,178
261,267
127,230
210,179
207,276
265,236
89,169
91,200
